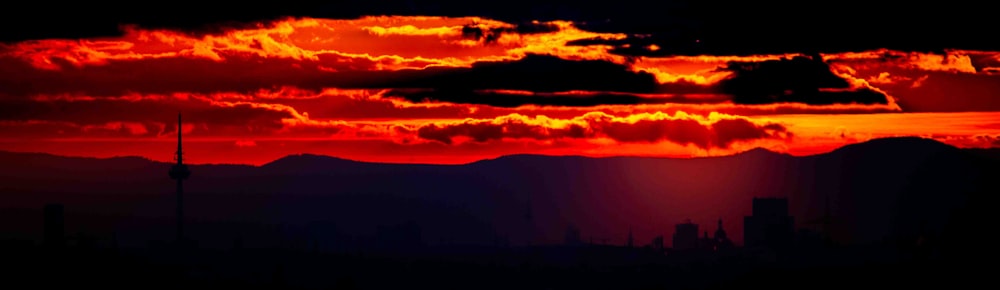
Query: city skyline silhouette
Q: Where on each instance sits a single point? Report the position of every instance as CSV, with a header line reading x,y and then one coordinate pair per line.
x,y
497,145
768,223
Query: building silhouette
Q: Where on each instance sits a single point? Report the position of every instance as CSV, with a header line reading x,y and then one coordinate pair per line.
x,y
54,234
685,236
572,237
719,241
657,244
770,226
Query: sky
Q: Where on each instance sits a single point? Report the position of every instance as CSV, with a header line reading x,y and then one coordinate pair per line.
x,y
409,82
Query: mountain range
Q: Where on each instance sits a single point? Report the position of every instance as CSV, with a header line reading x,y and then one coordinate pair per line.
x,y
879,191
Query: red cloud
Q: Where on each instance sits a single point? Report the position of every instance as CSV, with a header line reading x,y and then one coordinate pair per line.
x,y
322,53
304,80
429,41
713,131
950,61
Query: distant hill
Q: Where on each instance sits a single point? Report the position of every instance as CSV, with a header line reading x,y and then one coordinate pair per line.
x,y
879,191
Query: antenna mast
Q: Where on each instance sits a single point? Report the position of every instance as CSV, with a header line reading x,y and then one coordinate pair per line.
x,y
179,172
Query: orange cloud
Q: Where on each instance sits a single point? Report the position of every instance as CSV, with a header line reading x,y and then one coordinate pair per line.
x,y
483,88
594,135
821,133
886,78
431,40
319,53
702,70
706,132
949,61
926,90
415,31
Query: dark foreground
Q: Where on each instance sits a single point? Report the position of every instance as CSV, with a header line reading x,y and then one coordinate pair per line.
x,y
581,267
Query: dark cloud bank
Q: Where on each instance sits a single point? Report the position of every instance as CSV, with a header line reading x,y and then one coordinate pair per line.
x,y
720,28
798,80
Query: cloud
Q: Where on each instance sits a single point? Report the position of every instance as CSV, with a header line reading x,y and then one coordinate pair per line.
x,y
308,53
800,79
949,92
490,34
251,73
449,56
887,78
734,28
399,141
521,98
433,40
539,73
246,143
946,61
918,90
451,68
412,30
295,112
484,87
969,141
153,109
763,27
706,132
248,118
984,61
45,129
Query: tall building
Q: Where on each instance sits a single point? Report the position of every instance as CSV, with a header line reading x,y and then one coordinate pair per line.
x,y
685,236
54,228
770,226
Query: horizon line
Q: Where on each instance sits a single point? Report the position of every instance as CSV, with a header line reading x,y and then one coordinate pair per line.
x,y
596,156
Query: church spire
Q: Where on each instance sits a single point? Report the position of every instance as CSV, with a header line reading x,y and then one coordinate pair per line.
x,y
720,233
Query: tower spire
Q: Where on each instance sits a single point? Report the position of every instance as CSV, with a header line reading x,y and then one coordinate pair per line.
x,y
179,172
180,154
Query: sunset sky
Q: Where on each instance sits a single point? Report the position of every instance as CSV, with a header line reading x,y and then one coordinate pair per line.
x,y
455,89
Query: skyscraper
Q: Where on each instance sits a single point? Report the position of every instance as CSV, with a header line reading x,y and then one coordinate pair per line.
x,y
685,236
770,226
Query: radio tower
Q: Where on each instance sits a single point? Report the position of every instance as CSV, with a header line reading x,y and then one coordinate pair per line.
x,y
179,172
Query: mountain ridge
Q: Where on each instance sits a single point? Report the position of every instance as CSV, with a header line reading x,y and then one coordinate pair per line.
x,y
927,143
